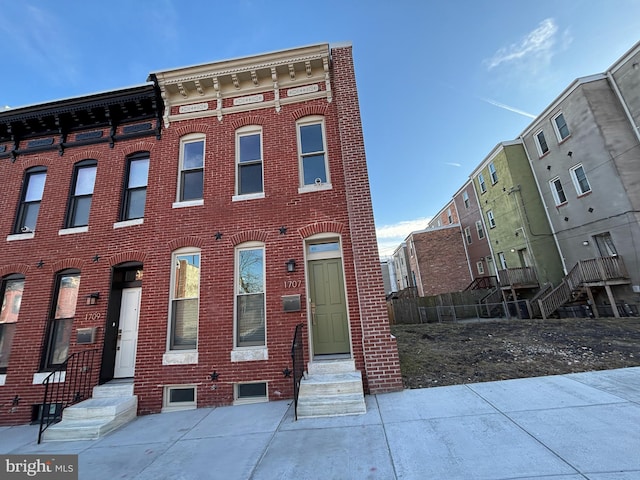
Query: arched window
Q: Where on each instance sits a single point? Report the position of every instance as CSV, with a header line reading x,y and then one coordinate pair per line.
x,y
30,198
135,187
63,311
191,179
185,299
312,153
249,176
84,179
250,324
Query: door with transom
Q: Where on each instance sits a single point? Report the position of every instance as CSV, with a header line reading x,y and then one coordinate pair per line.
x,y
327,300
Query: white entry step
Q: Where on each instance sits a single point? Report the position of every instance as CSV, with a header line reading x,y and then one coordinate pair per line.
x,y
331,388
111,406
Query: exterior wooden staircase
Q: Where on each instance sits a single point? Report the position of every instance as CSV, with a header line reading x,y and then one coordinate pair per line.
x,y
601,271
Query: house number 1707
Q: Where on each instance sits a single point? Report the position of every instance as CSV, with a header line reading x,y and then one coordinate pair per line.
x,y
292,283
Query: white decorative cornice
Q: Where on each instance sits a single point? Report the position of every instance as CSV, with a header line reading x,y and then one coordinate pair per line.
x,y
245,77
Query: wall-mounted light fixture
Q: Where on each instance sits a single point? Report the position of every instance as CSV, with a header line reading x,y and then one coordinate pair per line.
x,y
291,266
585,243
92,298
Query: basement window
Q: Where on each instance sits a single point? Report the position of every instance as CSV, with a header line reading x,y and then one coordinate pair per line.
x,y
179,397
255,392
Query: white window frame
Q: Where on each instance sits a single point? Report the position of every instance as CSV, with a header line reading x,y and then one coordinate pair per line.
x,y
237,400
480,229
503,260
190,138
261,349
576,182
467,235
556,193
483,184
303,122
168,406
243,132
449,216
493,173
465,199
541,149
182,355
491,219
480,267
556,129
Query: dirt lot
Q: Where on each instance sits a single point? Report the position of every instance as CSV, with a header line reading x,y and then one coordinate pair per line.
x,y
437,354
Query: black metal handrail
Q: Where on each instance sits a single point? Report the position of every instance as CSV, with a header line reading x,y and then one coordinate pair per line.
x,y
297,355
75,387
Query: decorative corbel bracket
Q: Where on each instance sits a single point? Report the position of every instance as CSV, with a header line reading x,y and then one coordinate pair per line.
x,y
327,81
276,89
199,87
216,87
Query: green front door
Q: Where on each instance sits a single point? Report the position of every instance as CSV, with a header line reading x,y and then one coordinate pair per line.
x,y
328,307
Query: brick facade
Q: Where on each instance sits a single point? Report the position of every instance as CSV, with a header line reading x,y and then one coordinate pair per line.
x,y
438,258
282,220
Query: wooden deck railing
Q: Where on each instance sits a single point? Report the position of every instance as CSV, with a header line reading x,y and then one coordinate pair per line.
x,y
518,276
599,269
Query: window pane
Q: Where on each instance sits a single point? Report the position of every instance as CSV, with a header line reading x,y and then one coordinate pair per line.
x,y
80,214
313,167
250,148
85,180
7,332
182,395
11,301
138,173
250,178
248,390
184,324
311,138
30,215
193,155
137,199
187,276
250,320
60,341
562,126
251,271
67,296
192,188
35,187
582,180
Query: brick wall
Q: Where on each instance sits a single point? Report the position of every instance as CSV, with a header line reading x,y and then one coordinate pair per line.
x,y
345,210
439,261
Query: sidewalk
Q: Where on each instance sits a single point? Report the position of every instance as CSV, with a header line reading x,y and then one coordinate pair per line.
x,y
569,427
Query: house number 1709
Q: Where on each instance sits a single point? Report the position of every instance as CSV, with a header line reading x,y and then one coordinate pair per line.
x,y
292,283
93,316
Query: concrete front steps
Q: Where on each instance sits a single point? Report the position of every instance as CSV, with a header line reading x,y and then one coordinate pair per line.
x,y
111,406
331,388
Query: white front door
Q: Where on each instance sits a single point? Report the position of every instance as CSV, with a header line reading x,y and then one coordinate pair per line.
x,y
127,333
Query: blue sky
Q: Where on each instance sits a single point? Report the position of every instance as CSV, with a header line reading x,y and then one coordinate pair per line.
x,y
440,82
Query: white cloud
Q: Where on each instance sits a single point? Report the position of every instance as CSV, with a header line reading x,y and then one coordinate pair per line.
x,y
391,236
536,43
508,107
453,164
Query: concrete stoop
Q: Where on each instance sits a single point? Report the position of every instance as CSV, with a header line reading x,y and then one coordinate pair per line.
x,y
331,388
111,406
